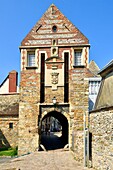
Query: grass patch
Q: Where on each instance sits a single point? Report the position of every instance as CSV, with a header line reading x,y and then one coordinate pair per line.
x,y
8,152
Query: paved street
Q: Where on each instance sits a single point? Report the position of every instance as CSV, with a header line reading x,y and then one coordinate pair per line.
x,y
56,158
51,160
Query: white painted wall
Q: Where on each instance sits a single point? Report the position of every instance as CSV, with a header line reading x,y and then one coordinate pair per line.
x,y
92,97
5,87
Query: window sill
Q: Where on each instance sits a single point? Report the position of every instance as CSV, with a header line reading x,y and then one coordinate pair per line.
x,y
79,66
31,67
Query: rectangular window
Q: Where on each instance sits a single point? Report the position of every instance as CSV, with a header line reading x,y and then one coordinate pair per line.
x,y
10,125
31,59
77,58
94,87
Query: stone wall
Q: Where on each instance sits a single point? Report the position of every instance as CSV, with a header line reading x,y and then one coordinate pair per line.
x,y
9,107
9,102
78,97
28,111
101,127
77,144
49,94
8,136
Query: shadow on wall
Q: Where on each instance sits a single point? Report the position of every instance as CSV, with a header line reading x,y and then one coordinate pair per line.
x,y
91,104
90,146
3,141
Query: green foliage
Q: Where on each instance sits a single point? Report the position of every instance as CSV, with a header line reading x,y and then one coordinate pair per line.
x,y
3,149
8,152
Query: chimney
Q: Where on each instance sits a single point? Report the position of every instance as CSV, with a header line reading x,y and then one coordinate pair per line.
x,y
13,76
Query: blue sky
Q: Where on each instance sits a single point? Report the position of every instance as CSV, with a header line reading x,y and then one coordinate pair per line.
x,y
94,18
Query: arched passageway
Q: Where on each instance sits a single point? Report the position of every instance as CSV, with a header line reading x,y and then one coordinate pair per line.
x,y
52,136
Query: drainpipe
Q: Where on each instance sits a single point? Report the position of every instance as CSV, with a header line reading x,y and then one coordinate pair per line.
x,y
86,136
86,140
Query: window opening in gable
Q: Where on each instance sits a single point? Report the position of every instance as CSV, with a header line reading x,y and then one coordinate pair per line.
x,y
54,28
54,42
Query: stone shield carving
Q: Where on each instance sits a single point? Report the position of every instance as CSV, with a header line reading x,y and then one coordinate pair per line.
x,y
54,78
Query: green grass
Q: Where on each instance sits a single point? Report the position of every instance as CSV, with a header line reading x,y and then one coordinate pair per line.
x,y
8,152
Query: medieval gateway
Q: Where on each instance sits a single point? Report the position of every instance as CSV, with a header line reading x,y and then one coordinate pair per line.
x,y
54,61
55,82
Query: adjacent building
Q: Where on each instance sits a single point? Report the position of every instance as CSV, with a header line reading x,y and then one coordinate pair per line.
x,y
10,84
94,84
9,111
101,122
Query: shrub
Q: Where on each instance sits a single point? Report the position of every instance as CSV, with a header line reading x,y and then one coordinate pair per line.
x,y
8,152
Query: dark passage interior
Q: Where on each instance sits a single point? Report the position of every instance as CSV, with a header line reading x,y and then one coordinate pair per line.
x,y
54,131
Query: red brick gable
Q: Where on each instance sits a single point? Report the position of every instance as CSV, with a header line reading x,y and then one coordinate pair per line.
x,y
43,35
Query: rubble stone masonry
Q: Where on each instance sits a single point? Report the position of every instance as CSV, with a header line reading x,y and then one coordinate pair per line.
x,y
9,107
28,111
78,96
101,127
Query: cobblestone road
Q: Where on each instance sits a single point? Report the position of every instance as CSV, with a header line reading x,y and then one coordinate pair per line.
x,y
51,160
58,159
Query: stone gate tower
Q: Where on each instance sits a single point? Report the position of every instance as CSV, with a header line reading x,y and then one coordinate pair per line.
x,y
54,63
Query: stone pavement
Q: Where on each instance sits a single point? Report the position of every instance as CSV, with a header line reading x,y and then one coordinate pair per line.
x,y
51,160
